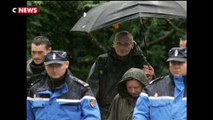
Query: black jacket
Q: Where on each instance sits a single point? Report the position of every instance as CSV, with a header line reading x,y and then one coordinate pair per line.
x,y
34,73
107,71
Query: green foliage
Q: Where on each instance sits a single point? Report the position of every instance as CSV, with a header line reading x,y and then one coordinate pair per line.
x,y
56,18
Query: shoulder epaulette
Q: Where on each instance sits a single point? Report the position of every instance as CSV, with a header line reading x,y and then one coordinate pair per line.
x,y
80,81
159,78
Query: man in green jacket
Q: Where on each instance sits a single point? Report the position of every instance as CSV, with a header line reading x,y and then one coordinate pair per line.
x,y
129,88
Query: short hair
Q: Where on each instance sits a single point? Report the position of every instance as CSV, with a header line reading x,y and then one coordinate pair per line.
x,y
41,40
123,33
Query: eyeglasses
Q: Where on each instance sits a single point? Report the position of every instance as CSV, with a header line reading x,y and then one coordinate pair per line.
x,y
122,44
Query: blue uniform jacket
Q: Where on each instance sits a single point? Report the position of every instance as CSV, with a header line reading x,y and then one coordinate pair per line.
x,y
73,100
163,99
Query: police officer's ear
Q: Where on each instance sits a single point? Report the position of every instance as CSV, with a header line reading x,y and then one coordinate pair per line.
x,y
67,63
49,49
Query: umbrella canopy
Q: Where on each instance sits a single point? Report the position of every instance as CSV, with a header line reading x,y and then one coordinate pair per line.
x,y
113,12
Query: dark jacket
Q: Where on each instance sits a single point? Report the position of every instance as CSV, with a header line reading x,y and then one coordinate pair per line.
x,y
34,73
72,99
164,99
107,71
122,108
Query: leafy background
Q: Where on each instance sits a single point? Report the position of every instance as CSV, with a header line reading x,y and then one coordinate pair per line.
x,y
56,18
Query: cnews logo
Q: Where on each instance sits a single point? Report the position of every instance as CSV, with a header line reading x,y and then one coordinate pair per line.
x,y
25,10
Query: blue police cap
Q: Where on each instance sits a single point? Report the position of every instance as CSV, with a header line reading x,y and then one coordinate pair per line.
x,y
56,57
177,54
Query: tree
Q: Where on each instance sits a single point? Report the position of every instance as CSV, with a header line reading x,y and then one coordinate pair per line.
x,y
55,19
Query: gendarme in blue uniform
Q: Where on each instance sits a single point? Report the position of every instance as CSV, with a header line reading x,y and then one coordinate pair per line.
x,y
70,99
164,98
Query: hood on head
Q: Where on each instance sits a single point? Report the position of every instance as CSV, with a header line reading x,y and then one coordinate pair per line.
x,y
131,74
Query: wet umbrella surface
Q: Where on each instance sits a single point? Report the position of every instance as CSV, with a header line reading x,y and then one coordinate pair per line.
x,y
113,12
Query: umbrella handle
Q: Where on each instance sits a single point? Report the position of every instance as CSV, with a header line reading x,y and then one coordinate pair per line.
x,y
144,39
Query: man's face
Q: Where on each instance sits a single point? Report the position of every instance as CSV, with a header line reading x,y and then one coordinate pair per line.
x,y
178,68
38,53
56,71
134,88
123,46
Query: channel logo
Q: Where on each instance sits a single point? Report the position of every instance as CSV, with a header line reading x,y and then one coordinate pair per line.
x,y
25,10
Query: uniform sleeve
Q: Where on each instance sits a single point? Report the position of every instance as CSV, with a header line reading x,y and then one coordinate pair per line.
x,y
93,80
141,110
30,115
90,108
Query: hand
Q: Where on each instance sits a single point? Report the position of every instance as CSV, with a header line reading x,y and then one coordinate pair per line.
x,y
149,71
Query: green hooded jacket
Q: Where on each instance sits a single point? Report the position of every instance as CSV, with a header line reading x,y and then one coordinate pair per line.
x,y
123,104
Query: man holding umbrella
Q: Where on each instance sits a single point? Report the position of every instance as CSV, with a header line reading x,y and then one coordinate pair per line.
x,y
108,69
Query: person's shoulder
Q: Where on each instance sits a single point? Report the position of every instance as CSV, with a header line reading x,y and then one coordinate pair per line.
x,y
117,96
29,61
156,80
102,59
103,55
117,99
79,81
36,84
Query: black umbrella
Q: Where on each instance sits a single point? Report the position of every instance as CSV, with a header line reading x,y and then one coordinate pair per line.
x,y
113,12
